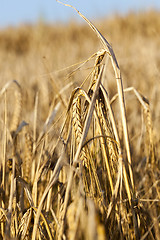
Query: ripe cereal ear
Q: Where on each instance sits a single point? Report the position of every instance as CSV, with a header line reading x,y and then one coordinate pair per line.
x,y
109,50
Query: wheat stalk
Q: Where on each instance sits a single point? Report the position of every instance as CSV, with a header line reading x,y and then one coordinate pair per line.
x,y
27,161
18,108
24,225
78,127
149,136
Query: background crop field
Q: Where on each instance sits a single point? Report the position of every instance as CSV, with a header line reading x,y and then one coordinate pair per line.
x,y
40,66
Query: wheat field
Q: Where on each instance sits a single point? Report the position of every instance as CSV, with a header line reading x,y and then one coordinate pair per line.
x,y
80,135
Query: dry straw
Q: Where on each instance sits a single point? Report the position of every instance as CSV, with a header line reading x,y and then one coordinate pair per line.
x,y
78,182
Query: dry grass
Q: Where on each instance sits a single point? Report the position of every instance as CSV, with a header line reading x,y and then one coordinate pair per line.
x,y
79,151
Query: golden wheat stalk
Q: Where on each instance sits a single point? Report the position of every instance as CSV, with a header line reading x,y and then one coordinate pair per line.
x,y
24,226
148,123
18,108
84,135
99,58
149,136
109,50
27,161
78,127
110,145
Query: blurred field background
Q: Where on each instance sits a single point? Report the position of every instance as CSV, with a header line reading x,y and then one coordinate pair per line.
x,y
36,56
41,59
